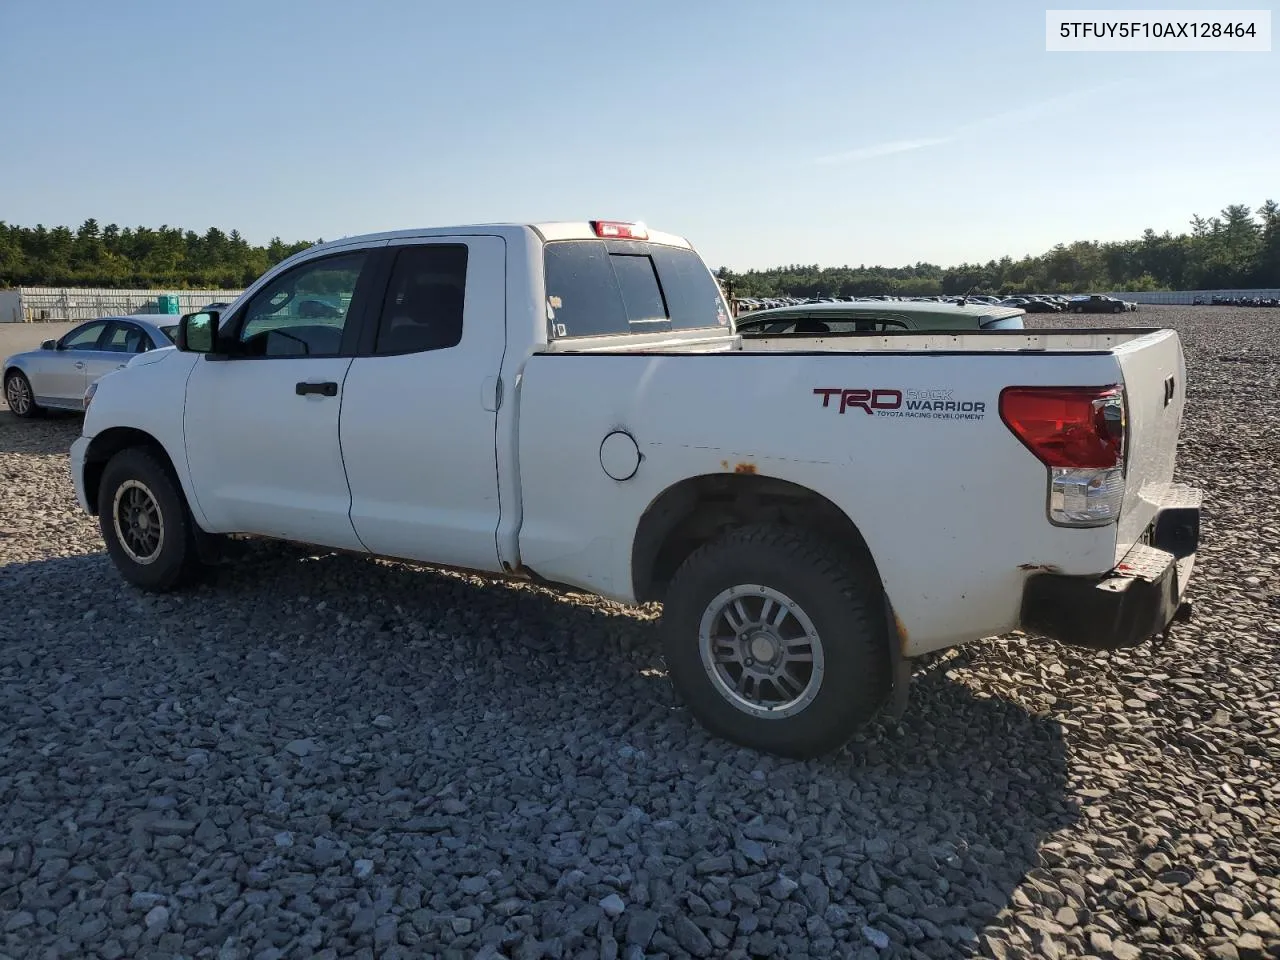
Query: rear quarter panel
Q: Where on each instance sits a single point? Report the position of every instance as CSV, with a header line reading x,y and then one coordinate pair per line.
x,y
953,510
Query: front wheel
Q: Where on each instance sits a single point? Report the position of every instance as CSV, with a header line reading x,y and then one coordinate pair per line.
x,y
145,522
777,640
19,395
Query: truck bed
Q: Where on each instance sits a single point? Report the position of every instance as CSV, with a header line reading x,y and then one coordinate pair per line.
x,y
951,504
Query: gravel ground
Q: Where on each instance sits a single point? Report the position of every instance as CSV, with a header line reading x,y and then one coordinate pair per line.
x,y
323,756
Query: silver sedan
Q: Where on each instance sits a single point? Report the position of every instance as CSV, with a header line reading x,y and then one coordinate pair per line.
x,y
57,375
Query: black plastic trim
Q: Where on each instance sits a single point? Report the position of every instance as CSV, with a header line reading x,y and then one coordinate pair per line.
x,y
1080,612
1117,610
1177,530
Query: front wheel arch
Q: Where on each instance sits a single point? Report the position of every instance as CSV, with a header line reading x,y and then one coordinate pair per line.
x,y
171,533
111,441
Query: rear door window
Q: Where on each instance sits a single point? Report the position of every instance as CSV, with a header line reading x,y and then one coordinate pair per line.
x,y
125,338
611,287
423,306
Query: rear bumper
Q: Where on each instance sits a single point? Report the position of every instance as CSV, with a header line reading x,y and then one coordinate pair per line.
x,y
1133,602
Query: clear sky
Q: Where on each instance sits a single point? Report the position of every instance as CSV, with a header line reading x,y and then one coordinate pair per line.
x,y
766,132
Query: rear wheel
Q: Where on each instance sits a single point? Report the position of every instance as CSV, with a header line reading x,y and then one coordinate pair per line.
x,y
145,522
19,395
777,640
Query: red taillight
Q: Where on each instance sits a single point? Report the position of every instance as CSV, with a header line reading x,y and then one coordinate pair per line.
x,y
1068,426
617,230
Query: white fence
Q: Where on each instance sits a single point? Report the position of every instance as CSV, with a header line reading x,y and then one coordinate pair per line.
x,y
36,304
1189,296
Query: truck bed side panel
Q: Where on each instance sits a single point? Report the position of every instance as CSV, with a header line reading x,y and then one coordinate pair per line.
x,y
950,503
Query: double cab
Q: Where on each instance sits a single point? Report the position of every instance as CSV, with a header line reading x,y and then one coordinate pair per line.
x,y
570,402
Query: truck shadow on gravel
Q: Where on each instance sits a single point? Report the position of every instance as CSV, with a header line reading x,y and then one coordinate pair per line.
x,y
488,730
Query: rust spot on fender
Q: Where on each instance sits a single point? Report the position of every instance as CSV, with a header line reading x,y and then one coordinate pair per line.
x,y
745,468
903,638
1039,567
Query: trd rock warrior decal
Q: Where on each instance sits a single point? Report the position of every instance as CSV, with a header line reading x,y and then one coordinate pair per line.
x,y
892,402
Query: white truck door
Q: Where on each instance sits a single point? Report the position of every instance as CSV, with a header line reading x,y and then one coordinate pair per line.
x,y
419,414
262,425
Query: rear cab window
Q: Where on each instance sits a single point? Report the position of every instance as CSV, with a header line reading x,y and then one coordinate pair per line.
x,y
601,288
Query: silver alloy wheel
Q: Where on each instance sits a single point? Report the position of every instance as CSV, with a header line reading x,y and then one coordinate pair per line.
x,y
17,394
761,651
139,524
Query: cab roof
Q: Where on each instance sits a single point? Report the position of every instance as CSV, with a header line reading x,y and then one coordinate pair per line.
x,y
547,231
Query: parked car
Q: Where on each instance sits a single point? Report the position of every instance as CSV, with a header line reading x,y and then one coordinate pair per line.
x,y
1098,303
1046,299
56,375
877,316
1219,300
1030,305
569,403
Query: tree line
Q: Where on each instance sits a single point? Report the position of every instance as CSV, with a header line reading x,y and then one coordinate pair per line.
x,y
134,257
1237,249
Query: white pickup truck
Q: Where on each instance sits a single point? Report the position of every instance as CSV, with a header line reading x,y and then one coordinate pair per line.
x,y
569,402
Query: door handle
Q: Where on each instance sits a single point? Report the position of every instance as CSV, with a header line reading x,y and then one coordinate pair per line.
x,y
79,364
327,389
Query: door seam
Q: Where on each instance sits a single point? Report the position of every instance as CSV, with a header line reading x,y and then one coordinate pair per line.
x,y
342,456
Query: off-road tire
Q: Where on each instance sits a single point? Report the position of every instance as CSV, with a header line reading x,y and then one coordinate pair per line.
x,y
839,592
177,563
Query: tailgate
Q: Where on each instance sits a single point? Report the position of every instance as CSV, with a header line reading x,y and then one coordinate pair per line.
x,y
1155,385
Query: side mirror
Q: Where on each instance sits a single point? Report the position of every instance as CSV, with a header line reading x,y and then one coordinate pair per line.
x,y
198,332
49,345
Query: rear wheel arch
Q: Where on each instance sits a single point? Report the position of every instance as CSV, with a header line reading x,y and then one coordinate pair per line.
x,y
773,640
696,510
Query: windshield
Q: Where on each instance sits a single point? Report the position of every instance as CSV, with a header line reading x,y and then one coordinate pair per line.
x,y
609,287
